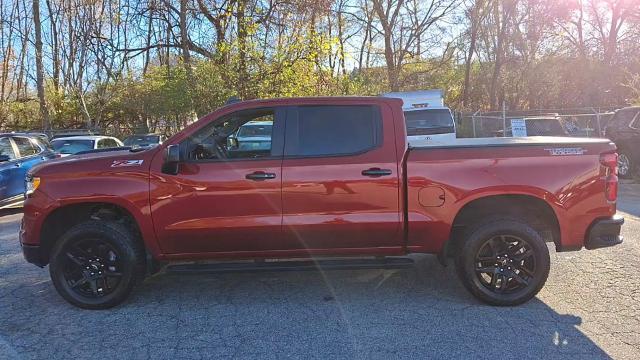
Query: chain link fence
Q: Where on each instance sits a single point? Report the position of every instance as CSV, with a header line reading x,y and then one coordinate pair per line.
x,y
579,122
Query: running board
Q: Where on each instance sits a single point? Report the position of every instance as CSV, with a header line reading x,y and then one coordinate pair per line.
x,y
298,265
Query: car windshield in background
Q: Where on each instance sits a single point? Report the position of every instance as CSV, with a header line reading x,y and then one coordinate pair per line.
x,y
144,140
545,127
255,131
71,146
427,122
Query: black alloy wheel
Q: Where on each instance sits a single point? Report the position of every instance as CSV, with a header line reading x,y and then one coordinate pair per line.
x,y
96,264
503,261
92,268
505,264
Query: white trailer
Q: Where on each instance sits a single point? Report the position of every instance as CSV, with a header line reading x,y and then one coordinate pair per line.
x,y
429,121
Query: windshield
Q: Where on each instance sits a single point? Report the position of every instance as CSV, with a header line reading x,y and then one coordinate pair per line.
x,y
255,130
71,146
545,127
431,121
142,140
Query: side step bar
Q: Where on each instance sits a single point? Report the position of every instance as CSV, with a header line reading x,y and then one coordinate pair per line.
x,y
297,265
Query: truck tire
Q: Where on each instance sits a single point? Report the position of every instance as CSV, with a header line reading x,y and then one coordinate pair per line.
x,y
96,264
626,167
503,261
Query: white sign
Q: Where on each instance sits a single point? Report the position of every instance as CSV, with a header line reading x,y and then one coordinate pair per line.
x,y
518,128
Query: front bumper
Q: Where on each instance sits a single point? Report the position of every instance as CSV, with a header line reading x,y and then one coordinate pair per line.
x,y
604,233
31,253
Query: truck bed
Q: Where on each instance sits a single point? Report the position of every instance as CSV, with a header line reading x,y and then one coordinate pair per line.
x,y
564,173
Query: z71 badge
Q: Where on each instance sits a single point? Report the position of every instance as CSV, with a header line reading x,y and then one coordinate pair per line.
x,y
566,151
122,163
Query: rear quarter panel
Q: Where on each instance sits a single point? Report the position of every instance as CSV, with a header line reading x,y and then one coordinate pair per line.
x,y
573,185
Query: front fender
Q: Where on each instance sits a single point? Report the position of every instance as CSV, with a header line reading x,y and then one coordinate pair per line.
x,y
127,190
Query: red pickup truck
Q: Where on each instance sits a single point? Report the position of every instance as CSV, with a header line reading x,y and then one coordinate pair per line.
x,y
322,182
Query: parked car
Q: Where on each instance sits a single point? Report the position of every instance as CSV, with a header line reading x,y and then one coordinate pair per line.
x,y
624,130
18,154
75,144
143,140
338,181
534,126
253,137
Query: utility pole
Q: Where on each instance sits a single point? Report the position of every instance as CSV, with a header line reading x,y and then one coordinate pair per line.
x,y
504,119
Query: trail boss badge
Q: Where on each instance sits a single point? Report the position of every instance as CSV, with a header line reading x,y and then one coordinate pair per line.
x,y
566,151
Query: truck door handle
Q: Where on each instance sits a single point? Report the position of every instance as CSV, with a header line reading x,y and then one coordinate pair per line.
x,y
376,172
260,176
18,165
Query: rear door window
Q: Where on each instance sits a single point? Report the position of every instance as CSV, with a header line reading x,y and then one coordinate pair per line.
x,y
107,143
624,117
332,130
26,147
6,148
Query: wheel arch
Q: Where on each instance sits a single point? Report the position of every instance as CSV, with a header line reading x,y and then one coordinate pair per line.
x,y
61,219
531,207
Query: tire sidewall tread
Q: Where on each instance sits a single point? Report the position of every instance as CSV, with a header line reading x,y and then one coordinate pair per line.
x,y
477,235
118,236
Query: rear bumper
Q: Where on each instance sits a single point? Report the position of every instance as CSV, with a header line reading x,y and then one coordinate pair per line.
x,y
604,233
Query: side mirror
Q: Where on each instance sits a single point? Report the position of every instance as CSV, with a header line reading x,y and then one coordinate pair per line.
x,y
4,158
232,143
171,160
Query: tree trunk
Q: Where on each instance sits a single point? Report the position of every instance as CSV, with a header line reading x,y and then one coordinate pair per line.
x,y
392,73
46,123
186,56
56,48
243,77
506,12
475,20
610,48
388,20
184,40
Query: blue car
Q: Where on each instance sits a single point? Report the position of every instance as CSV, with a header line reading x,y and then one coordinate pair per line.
x,y
18,154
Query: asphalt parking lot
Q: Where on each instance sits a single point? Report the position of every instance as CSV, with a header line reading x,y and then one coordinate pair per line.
x,y
589,308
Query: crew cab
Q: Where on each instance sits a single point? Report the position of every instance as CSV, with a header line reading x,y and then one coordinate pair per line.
x,y
339,186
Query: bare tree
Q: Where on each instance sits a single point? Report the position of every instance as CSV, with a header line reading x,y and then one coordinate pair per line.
x,y
403,26
46,122
476,14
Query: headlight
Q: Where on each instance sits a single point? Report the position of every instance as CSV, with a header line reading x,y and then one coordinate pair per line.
x,y
32,184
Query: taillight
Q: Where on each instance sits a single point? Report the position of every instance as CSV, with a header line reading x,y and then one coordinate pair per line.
x,y
611,188
610,161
